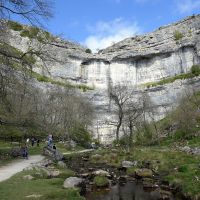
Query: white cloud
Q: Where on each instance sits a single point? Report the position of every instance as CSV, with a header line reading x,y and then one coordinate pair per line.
x,y
104,34
187,6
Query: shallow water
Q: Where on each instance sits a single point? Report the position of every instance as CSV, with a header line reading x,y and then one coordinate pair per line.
x,y
129,191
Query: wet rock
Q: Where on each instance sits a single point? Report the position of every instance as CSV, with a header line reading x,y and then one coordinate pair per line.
x,y
165,195
123,179
72,182
149,183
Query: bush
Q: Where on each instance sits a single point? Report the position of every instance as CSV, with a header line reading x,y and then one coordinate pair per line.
x,y
88,51
81,136
195,69
15,26
178,35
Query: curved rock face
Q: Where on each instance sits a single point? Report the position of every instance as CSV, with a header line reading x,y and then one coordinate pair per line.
x,y
166,52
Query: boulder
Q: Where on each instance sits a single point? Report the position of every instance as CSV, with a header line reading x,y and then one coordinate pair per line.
x,y
15,152
96,157
128,164
101,173
55,154
144,173
61,164
72,182
54,173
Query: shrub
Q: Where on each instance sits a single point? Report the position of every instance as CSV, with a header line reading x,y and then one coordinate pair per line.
x,y
195,69
15,26
88,51
178,35
81,136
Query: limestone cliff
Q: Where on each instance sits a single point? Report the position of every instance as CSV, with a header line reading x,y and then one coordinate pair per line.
x,y
166,52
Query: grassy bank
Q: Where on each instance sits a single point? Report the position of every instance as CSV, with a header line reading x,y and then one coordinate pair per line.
x,y
42,188
178,168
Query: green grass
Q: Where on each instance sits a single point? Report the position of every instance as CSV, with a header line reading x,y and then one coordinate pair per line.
x,y
101,181
171,79
178,35
173,165
31,32
42,78
15,26
17,188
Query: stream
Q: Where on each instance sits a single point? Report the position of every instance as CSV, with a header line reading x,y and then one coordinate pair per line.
x,y
129,191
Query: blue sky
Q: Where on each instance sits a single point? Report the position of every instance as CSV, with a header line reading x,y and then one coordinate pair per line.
x,y
99,23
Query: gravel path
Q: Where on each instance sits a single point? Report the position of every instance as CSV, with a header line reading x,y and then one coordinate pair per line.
x,y
82,151
14,167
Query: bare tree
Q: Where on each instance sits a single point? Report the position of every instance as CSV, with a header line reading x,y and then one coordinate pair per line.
x,y
31,10
133,111
119,94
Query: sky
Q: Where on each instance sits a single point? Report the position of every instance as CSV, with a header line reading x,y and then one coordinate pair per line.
x,y
99,23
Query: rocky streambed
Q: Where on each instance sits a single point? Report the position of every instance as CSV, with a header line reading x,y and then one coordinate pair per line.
x,y
142,184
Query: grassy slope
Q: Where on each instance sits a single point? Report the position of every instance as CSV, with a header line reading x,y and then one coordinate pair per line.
x,y
17,188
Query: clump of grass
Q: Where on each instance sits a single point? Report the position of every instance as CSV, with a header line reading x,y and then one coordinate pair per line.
x,y
101,181
31,32
178,35
15,26
131,170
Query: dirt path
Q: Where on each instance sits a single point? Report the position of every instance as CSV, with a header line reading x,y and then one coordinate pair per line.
x,y
14,167
81,151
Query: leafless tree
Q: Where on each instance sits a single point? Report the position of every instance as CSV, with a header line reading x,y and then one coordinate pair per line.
x,y
119,94
31,10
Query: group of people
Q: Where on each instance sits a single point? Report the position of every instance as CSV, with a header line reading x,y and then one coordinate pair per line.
x,y
24,148
33,141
